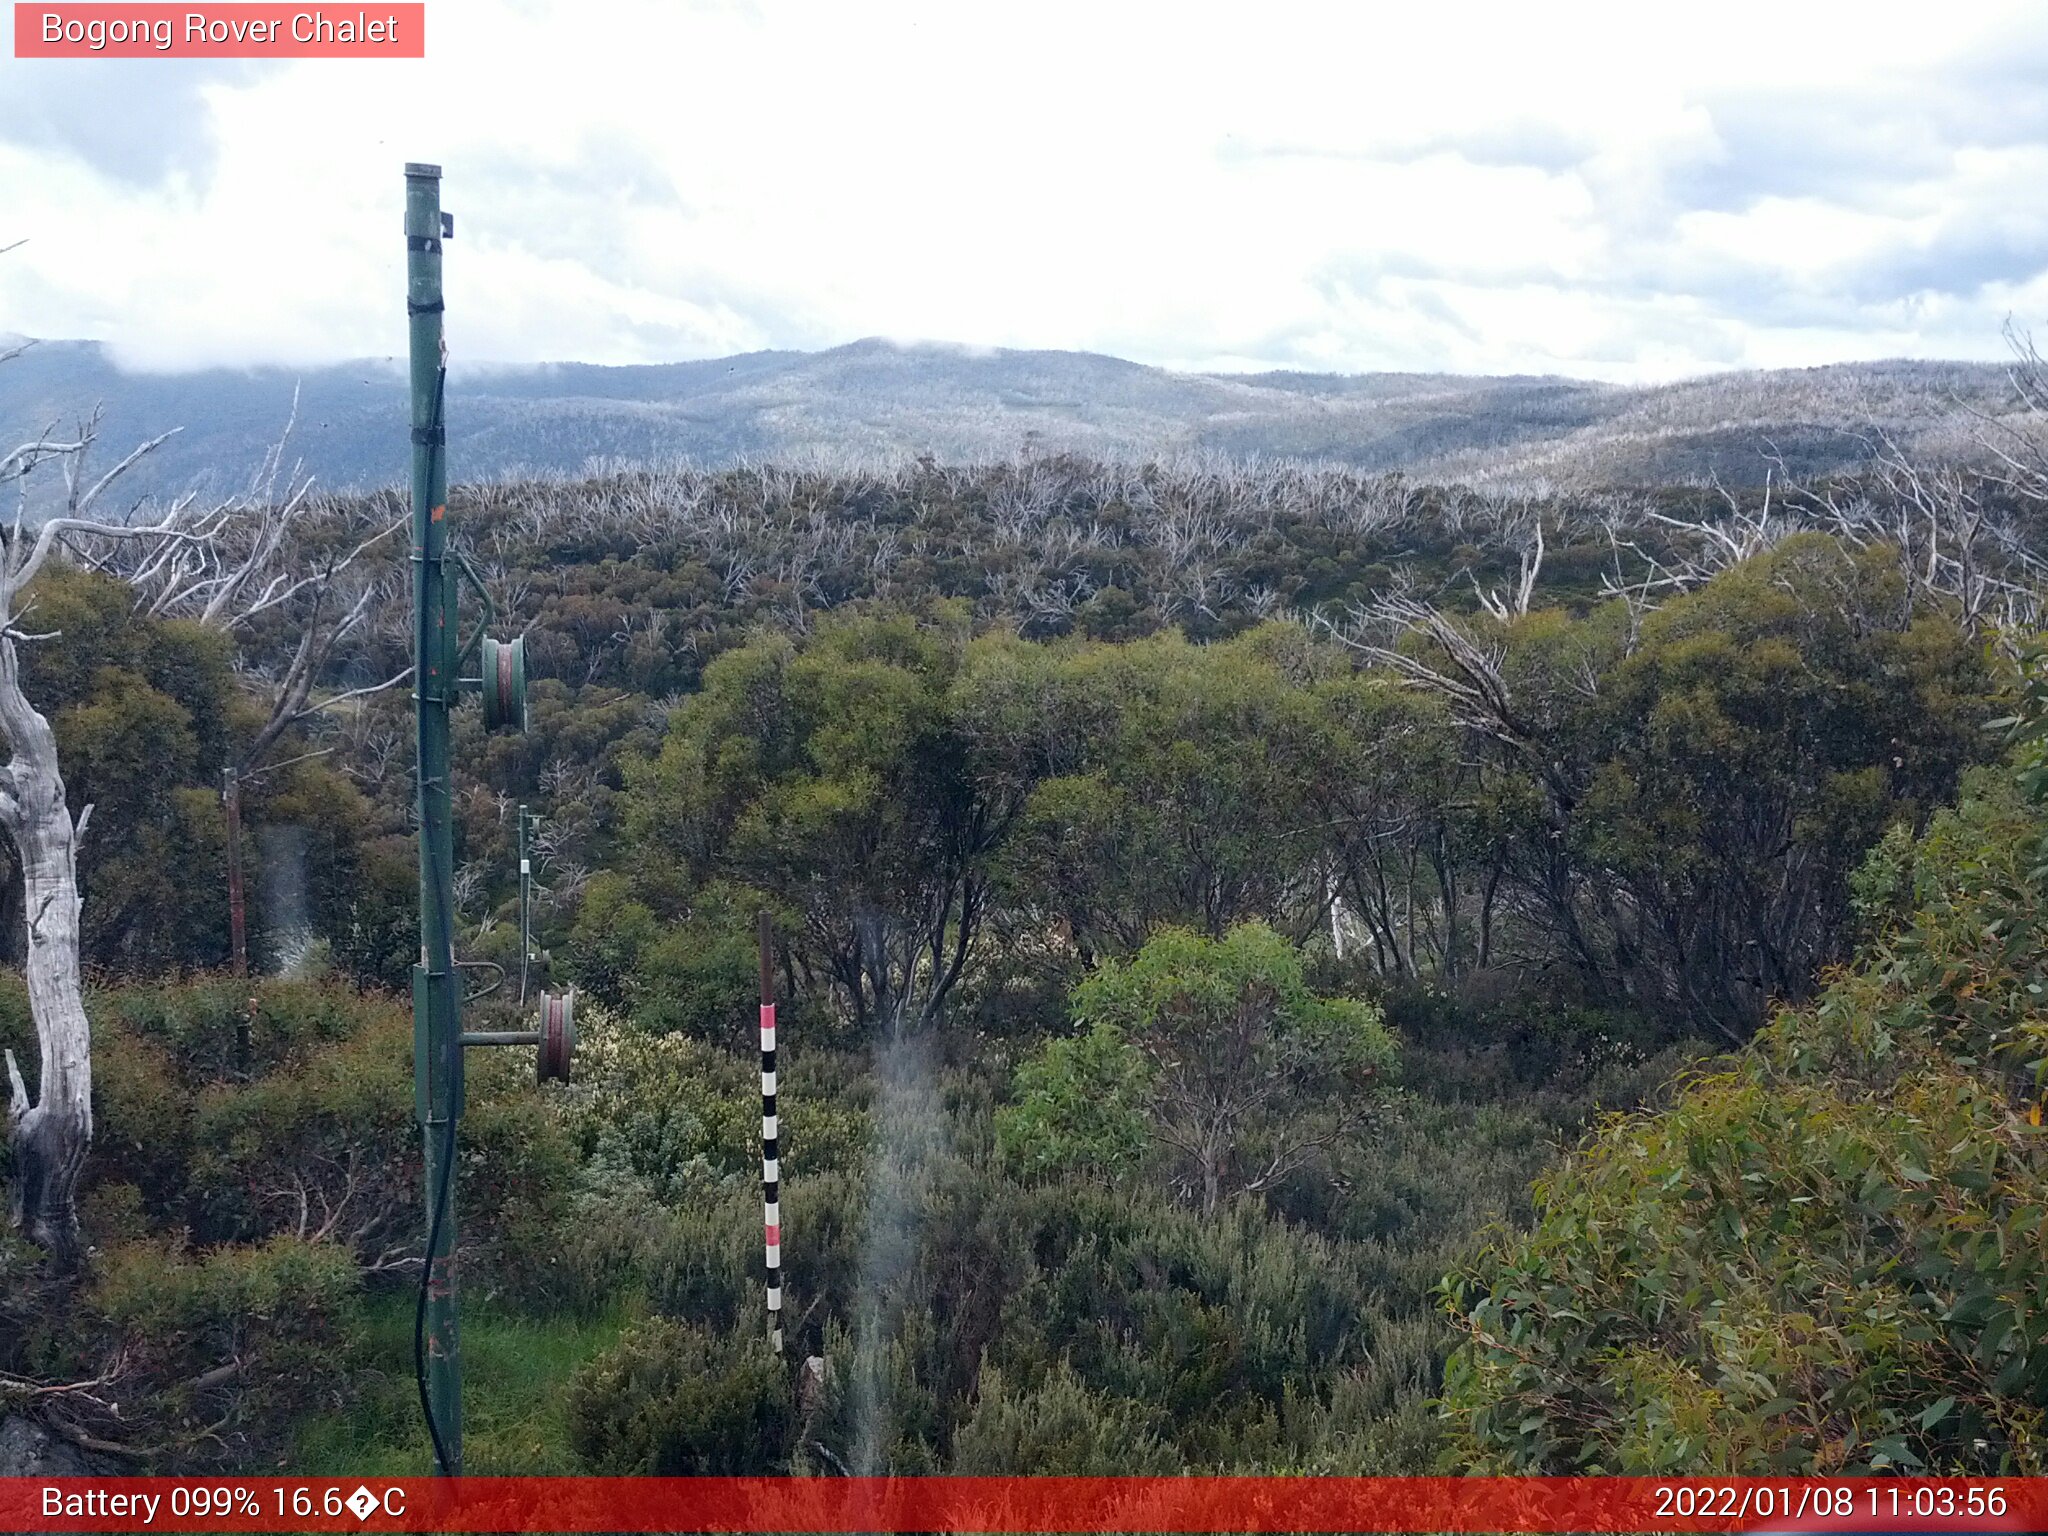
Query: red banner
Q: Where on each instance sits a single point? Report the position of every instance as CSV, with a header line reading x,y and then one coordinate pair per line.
x,y
259,31
1024,1504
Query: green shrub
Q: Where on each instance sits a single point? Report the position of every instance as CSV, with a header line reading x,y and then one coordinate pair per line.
x,y
597,1252
1081,1108
1211,1050
376,939
1825,1256
711,1268
1059,1428
684,1117
673,1400
219,1352
199,1022
333,1129
702,977
320,1140
519,1172
1200,1327
825,1238
17,1023
611,929
143,1117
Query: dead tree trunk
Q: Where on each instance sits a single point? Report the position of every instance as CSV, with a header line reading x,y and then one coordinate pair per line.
x,y
50,1133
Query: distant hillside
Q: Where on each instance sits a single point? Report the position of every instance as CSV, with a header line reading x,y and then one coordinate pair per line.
x,y
876,399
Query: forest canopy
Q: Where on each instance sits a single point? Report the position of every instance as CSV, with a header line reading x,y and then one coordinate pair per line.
x,y
1221,901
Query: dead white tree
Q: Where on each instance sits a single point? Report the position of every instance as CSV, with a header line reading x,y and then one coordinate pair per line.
x,y
50,1131
1523,529
2017,440
1954,536
1717,546
223,564
1466,670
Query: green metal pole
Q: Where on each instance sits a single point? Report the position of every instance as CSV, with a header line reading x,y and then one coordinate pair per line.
x,y
437,998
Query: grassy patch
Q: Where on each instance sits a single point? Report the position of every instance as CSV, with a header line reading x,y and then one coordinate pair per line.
x,y
515,1374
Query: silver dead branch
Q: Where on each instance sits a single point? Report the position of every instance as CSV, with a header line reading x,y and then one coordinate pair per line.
x,y
51,1131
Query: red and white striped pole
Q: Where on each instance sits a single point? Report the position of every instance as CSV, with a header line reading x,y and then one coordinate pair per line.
x,y
771,1163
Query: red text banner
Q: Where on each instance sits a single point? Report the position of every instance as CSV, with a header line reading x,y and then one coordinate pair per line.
x,y
1024,1504
217,31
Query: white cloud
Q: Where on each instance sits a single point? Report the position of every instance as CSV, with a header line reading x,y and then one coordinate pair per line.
x,y
1616,191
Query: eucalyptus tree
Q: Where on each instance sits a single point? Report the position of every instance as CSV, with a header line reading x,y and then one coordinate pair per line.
x,y
1215,1051
1191,785
826,776
275,558
1696,781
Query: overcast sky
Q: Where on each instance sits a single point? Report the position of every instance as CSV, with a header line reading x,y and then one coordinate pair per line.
x,y
1634,192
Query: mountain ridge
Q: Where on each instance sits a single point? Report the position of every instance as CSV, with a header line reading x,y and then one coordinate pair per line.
x,y
880,399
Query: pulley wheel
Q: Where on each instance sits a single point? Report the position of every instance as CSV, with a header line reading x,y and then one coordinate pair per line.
x,y
504,680
557,1035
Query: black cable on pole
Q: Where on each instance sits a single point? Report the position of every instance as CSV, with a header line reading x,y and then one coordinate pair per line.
x,y
419,1317
447,1180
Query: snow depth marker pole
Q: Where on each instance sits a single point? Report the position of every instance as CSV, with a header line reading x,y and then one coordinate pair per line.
x,y
771,1163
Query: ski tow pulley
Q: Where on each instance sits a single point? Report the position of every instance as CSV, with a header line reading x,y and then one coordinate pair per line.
x,y
557,1035
554,1034
504,683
